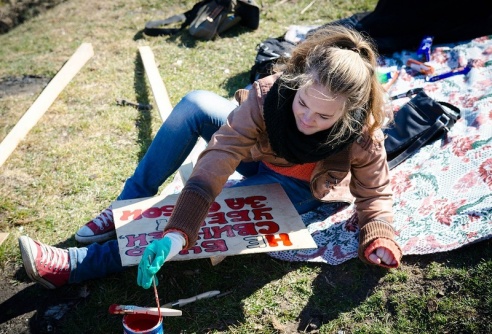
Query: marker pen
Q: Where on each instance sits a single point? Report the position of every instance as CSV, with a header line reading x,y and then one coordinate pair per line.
x,y
457,71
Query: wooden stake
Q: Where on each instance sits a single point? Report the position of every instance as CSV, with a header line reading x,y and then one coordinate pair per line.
x,y
159,91
3,237
44,100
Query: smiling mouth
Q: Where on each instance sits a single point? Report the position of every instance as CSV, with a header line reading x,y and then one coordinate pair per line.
x,y
304,125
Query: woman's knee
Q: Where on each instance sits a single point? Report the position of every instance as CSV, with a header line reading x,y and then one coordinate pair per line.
x,y
199,99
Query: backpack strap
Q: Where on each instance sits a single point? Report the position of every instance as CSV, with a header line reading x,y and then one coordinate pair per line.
x,y
155,28
440,125
454,112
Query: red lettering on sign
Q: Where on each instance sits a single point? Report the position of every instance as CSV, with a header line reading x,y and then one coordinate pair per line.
x,y
282,237
214,207
132,240
271,227
217,218
255,201
239,216
135,251
205,231
245,229
167,210
127,214
242,229
141,239
262,214
152,213
209,246
194,249
235,203
213,246
217,231
240,202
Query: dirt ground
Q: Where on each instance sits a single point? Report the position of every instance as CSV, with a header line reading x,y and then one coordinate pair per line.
x,y
17,315
14,12
28,84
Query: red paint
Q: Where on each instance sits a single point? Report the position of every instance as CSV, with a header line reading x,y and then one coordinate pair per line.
x,y
239,203
282,237
141,323
114,309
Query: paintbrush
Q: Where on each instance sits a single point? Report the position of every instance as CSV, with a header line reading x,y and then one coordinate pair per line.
x,y
132,309
182,302
156,295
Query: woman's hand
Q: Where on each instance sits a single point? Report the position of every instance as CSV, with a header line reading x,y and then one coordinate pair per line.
x,y
156,254
152,260
382,255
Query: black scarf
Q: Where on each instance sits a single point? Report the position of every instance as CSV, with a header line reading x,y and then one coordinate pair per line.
x,y
291,144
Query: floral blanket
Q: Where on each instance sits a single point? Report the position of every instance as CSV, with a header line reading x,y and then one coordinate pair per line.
x,y
442,194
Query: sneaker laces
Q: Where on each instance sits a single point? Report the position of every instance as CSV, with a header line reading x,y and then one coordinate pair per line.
x,y
54,258
105,219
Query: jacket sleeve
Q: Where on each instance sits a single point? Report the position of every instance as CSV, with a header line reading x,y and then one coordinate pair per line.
x,y
370,185
227,148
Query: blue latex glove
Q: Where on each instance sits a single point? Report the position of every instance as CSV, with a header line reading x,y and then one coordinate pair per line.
x,y
152,260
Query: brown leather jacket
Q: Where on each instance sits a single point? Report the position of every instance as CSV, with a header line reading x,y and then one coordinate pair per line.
x,y
358,173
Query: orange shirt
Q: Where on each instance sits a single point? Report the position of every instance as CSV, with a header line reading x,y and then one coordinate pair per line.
x,y
302,172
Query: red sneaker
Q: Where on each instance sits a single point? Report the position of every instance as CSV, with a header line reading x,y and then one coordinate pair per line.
x,y
99,229
47,265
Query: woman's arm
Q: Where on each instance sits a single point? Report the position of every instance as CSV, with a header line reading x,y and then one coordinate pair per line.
x,y
230,145
370,185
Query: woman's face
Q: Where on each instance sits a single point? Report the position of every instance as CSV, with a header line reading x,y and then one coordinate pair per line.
x,y
316,109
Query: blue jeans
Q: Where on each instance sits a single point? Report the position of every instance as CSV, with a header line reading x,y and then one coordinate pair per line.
x,y
198,114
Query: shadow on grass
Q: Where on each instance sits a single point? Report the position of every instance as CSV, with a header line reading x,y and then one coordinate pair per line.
x,y
144,119
187,40
335,290
235,82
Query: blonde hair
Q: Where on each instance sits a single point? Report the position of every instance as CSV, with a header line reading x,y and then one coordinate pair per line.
x,y
344,62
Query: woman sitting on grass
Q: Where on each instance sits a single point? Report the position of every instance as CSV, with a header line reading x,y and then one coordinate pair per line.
x,y
314,127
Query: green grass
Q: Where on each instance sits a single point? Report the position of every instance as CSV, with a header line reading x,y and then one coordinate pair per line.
x,y
74,162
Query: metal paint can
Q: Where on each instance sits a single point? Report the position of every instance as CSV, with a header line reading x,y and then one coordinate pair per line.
x,y
142,324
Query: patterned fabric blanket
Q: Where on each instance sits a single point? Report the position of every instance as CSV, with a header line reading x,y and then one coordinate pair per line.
x,y
442,194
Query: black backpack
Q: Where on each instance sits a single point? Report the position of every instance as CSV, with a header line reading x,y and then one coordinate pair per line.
x,y
208,18
268,52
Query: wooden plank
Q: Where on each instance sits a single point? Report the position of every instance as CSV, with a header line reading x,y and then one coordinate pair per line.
x,y
164,107
3,237
44,100
161,97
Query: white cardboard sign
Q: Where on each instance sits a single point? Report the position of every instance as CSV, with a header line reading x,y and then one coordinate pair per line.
x,y
242,220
